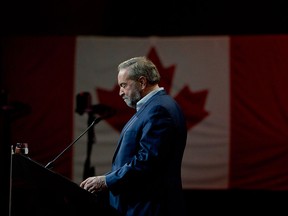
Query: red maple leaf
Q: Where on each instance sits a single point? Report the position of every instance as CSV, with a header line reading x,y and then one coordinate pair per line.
x,y
192,103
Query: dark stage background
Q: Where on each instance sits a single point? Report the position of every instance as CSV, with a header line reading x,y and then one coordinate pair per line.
x,y
130,18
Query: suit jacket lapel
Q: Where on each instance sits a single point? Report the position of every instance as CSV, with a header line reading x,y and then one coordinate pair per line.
x,y
133,119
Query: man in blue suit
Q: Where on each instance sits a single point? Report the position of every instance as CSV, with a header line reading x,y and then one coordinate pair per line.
x,y
145,178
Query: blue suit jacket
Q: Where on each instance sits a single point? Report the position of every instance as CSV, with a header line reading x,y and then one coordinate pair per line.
x,y
145,178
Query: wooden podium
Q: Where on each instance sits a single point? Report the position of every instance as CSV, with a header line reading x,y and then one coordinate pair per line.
x,y
37,190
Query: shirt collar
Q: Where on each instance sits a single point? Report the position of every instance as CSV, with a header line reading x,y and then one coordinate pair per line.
x,y
146,98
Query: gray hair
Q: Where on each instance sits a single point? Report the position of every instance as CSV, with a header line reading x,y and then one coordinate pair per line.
x,y
141,66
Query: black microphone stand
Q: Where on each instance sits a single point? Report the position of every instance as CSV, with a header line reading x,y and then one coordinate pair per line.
x,y
88,170
83,105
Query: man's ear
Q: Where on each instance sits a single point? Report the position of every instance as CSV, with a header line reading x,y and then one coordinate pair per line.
x,y
143,81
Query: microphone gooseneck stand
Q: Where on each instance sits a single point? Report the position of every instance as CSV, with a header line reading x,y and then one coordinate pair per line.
x,y
51,163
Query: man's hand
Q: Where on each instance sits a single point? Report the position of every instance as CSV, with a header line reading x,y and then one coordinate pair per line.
x,y
94,184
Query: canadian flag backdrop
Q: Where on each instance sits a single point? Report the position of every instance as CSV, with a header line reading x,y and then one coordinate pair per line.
x,y
232,90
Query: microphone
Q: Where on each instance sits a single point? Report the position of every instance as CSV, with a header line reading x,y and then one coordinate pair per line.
x,y
51,163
